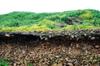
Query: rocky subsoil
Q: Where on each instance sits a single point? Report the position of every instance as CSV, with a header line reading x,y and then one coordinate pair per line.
x,y
46,53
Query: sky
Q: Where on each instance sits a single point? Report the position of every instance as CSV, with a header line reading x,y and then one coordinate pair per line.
x,y
7,6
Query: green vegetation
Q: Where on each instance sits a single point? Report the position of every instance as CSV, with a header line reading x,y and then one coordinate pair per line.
x,y
4,62
30,64
68,20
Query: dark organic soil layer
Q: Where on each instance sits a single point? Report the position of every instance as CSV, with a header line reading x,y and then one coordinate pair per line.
x,y
76,35
46,53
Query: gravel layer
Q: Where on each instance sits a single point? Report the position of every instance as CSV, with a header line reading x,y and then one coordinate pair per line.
x,y
46,53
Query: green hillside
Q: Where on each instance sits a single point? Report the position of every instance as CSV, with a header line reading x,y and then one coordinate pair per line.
x,y
68,20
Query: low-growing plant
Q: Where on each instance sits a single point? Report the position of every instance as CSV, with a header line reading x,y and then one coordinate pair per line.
x,y
30,64
4,62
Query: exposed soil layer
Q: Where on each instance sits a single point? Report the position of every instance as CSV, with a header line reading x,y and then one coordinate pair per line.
x,y
52,54
37,36
58,50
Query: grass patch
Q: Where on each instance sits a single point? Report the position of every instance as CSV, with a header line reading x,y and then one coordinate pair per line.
x,y
4,62
29,22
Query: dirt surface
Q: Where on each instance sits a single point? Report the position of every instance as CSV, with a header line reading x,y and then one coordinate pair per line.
x,y
54,53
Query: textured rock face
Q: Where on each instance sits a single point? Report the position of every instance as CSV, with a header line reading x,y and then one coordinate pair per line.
x,y
52,53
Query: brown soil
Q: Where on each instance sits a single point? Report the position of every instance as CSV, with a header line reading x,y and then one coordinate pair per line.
x,y
55,53
75,48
